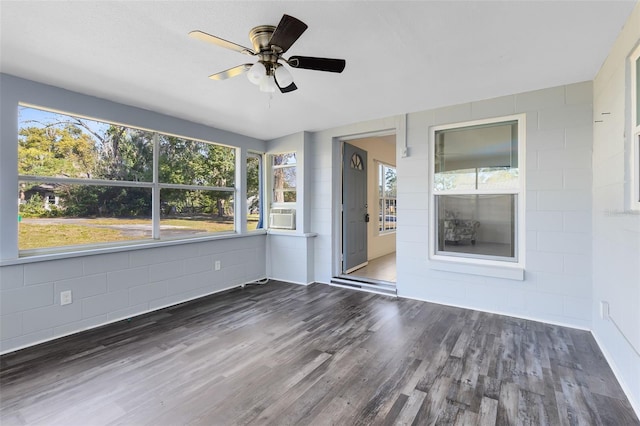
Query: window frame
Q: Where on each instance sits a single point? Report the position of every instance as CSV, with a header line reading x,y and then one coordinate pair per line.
x,y
154,185
380,170
261,190
272,169
479,264
634,130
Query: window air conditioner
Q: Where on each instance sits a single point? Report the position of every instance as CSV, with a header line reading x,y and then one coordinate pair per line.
x,y
282,219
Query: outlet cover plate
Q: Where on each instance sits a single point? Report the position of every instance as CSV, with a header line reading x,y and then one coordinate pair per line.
x,y
65,297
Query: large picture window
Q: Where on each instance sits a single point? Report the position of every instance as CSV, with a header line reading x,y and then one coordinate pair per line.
x,y
477,188
86,182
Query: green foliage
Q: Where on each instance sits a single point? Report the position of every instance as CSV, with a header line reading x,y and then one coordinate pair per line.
x,y
54,151
71,147
34,207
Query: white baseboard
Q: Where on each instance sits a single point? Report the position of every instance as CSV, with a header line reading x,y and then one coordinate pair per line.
x,y
634,404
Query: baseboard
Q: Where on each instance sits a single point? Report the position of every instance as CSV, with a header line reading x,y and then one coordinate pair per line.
x,y
506,314
126,317
291,282
635,405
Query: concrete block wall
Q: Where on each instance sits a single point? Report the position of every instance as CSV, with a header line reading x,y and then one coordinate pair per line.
x,y
616,228
116,286
558,149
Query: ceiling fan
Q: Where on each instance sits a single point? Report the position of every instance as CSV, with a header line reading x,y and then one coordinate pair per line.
x,y
269,44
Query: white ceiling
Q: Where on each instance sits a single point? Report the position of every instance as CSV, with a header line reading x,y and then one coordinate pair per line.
x,y
401,56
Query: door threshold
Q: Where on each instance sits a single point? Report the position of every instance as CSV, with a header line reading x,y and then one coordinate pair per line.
x,y
372,286
358,279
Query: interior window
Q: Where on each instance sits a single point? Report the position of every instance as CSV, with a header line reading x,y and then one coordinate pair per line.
x,y
476,187
387,191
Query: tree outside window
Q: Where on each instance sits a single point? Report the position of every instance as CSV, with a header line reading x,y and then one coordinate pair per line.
x,y
284,177
85,182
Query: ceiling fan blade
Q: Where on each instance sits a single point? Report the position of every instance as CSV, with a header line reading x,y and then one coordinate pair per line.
x,y
231,72
287,32
201,35
318,64
289,88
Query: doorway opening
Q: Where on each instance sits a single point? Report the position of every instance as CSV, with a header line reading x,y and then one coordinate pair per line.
x,y
369,213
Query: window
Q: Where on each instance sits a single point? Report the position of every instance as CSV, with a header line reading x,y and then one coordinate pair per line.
x,y
254,192
284,177
85,182
635,130
477,189
387,190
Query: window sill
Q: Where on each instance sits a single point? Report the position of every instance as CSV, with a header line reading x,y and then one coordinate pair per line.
x,y
291,233
142,245
511,272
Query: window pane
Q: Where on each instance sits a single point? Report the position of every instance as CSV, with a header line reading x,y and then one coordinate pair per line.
x,y
188,162
185,213
389,214
284,159
55,215
63,146
390,182
254,196
284,184
479,157
476,225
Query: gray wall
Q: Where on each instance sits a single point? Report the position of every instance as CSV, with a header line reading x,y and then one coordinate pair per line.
x,y
557,279
107,284
616,229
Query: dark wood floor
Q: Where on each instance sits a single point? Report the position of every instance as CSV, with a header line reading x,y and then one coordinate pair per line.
x,y
283,354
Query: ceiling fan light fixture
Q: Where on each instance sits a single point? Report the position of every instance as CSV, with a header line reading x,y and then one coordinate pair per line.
x,y
283,76
268,84
257,73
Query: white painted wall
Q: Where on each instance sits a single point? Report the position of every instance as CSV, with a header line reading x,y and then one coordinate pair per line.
x,y
325,180
616,230
107,285
378,149
289,253
557,283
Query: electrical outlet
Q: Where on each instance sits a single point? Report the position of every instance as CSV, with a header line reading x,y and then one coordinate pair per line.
x,y
405,152
217,265
604,310
65,297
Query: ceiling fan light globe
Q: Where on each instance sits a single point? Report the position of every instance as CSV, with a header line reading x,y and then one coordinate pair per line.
x,y
268,84
283,76
257,73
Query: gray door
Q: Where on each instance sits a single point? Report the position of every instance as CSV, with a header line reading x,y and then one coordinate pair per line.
x,y
354,208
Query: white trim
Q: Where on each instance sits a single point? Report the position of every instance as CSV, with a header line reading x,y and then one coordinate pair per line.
x,y
475,266
271,190
634,133
135,245
379,164
515,266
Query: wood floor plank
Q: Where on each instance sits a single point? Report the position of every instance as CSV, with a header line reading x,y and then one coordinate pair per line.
x,y
284,354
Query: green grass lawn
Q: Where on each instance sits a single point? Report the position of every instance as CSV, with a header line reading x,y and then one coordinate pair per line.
x,y
33,234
